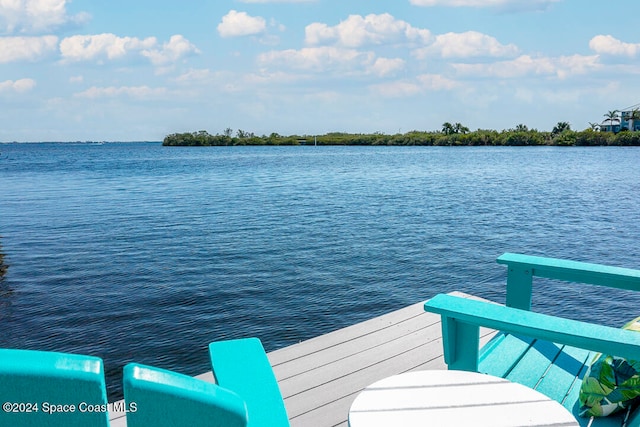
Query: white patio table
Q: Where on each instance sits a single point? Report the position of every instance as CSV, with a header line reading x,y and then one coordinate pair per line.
x,y
454,398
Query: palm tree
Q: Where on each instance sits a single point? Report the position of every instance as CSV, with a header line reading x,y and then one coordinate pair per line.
x,y
447,128
458,128
560,127
635,115
594,126
612,116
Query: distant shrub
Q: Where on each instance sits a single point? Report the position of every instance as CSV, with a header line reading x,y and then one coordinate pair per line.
x,y
520,136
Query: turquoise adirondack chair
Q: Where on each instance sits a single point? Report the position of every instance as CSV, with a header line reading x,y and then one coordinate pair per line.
x,y
548,353
42,389
160,398
243,367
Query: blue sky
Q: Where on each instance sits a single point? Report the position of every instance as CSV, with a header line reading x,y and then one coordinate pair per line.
x,y
137,70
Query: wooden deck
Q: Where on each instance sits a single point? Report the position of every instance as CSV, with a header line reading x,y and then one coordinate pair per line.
x,y
320,378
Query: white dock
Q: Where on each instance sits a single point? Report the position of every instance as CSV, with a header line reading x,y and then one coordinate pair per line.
x,y
320,378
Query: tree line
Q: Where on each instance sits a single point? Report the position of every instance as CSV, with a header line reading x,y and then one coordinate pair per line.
x,y
450,135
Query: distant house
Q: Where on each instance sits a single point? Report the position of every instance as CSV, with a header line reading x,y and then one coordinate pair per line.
x,y
629,124
607,126
624,121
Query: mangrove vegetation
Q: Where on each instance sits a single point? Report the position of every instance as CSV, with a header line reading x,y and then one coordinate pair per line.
x,y
451,134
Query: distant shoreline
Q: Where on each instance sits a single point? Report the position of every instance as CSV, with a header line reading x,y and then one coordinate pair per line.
x,y
479,137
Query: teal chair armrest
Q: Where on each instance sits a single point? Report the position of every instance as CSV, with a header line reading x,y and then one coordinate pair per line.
x,y
462,318
242,366
158,398
522,269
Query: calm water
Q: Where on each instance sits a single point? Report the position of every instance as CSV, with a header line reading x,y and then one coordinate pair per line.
x,y
147,253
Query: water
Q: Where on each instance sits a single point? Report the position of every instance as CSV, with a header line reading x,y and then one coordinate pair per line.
x,y
138,252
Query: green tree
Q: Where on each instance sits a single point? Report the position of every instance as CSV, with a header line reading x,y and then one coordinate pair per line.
x,y
447,128
458,128
612,116
566,137
560,127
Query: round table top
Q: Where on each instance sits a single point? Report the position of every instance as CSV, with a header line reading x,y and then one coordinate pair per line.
x,y
454,398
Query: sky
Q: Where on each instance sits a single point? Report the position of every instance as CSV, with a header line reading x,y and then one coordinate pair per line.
x,y
123,70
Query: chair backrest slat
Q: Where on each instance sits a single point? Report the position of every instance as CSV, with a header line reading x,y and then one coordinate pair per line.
x,y
54,389
161,398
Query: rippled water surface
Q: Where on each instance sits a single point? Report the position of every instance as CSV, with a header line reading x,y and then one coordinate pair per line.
x,y
147,253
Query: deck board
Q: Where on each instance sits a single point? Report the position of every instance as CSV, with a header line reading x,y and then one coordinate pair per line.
x,y
320,378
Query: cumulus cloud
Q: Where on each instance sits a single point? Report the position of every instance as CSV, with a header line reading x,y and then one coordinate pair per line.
x,y
609,45
136,92
502,4
358,31
28,16
524,65
19,86
387,66
100,47
235,24
175,49
26,48
337,48
465,45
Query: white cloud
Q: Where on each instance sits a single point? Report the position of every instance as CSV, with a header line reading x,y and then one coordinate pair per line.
x,y
194,76
19,86
102,47
235,24
317,59
386,66
466,45
26,48
357,31
177,48
524,65
609,45
28,16
504,4
265,78
136,92
575,64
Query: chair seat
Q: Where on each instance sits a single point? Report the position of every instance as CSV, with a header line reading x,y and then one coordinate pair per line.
x,y
553,369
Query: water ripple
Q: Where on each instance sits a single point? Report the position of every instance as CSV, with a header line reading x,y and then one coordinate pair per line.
x,y
140,252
